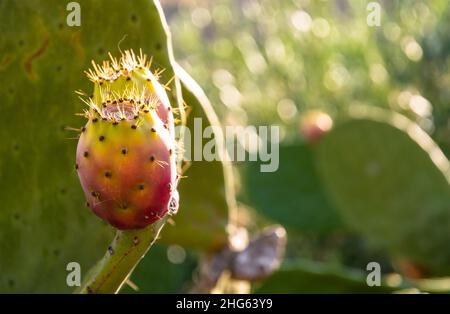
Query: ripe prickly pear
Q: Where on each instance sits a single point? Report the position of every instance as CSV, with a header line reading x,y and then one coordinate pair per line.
x,y
314,125
126,152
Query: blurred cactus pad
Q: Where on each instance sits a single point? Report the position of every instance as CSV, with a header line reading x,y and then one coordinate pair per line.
x,y
391,183
44,223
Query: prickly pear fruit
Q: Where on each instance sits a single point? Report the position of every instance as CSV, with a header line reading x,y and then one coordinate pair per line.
x,y
126,152
314,125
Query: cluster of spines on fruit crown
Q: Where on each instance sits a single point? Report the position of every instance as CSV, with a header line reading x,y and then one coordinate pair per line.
x,y
133,100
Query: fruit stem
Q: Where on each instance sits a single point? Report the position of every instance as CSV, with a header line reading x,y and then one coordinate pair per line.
x,y
122,256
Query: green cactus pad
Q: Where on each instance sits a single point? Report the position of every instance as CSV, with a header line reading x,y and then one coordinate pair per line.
x,y
391,183
312,277
43,222
292,195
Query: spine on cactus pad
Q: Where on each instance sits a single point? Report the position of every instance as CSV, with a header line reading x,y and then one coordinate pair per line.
x,y
126,151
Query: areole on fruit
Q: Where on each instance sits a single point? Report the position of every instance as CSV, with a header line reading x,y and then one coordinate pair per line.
x,y
126,152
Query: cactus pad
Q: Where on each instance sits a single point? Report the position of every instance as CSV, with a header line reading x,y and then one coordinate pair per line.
x,y
391,183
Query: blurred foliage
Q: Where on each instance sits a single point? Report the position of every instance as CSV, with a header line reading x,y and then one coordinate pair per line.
x,y
266,62
269,61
